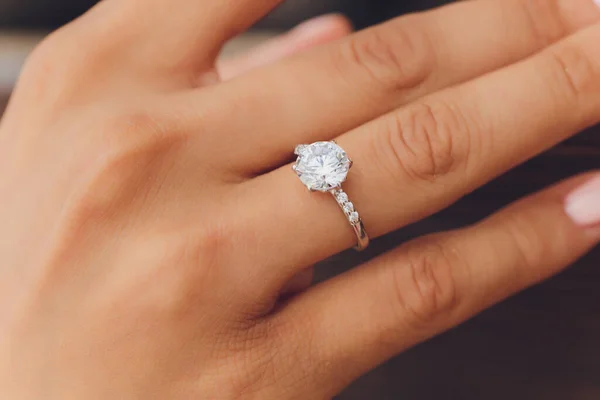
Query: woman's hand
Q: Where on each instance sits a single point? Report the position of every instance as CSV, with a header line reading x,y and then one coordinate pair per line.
x,y
149,223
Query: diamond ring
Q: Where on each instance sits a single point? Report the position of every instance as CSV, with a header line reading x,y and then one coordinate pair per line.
x,y
323,167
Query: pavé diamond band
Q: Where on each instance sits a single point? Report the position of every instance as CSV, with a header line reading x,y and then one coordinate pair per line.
x,y
323,167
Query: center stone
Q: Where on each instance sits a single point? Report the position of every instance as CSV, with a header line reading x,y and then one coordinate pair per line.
x,y
322,166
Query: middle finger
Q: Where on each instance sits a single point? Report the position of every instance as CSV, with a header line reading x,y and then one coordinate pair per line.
x,y
323,93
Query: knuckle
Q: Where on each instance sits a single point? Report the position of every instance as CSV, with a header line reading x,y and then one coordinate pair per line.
x,y
205,246
45,68
61,63
122,161
572,67
397,55
44,53
178,267
426,285
59,67
545,20
419,142
213,244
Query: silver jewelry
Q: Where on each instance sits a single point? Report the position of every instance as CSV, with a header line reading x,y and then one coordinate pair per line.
x,y
323,167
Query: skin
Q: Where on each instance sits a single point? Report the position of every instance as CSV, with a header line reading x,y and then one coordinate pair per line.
x,y
151,222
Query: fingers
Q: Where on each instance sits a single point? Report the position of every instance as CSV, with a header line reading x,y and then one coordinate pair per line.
x,y
418,160
309,34
364,317
337,87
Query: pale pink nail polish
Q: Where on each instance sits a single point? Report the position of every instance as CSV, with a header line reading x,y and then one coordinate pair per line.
x,y
583,205
316,26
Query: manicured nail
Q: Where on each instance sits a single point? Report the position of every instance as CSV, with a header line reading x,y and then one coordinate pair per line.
x,y
316,25
583,205
597,2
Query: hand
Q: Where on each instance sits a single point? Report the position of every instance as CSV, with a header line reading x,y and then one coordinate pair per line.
x,y
150,222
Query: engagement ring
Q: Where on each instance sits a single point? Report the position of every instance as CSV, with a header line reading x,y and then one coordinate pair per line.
x,y
323,167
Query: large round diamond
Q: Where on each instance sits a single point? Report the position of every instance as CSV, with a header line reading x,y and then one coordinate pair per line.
x,y
322,166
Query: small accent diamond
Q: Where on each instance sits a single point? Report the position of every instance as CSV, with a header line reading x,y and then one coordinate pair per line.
x,y
349,208
354,218
342,197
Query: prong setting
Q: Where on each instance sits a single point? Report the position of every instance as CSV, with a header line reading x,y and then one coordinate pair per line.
x,y
298,150
323,166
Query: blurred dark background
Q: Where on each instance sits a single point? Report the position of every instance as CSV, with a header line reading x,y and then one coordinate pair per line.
x,y
49,14
541,345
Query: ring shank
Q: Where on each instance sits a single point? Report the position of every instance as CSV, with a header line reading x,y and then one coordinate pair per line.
x,y
361,236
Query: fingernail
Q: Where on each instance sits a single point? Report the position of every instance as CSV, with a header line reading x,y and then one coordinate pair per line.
x,y
583,205
597,2
316,25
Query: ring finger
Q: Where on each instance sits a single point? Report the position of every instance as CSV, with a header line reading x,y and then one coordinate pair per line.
x,y
418,160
